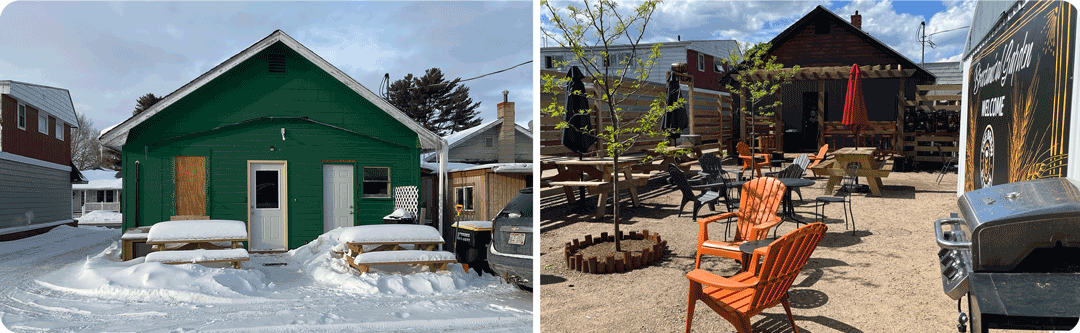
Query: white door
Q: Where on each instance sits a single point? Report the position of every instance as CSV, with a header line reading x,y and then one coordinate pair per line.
x,y
266,185
337,196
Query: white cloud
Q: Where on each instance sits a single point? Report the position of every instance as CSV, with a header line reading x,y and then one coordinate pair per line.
x,y
173,31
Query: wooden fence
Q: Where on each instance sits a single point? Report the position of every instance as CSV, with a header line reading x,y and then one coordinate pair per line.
x,y
712,116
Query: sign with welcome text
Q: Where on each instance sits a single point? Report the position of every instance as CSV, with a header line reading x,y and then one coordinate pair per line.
x,y
1019,95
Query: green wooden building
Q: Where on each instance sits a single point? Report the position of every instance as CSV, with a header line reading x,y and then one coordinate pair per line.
x,y
274,136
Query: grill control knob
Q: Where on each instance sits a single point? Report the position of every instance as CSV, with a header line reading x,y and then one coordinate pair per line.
x,y
950,272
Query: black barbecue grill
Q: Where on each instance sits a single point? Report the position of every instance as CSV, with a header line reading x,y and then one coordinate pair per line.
x,y
1015,252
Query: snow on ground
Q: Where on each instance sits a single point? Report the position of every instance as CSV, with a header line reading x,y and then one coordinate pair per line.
x,y
71,279
101,217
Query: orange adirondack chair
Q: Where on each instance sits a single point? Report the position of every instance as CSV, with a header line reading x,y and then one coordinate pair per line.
x,y
756,215
748,293
750,160
820,156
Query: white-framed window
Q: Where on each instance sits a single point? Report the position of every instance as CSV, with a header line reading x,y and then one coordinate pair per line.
x,y
700,62
60,131
621,59
463,196
376,182
43,123
718,65
553,61
22,116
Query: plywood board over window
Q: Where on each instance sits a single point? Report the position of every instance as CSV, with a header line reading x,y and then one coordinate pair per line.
x,y
190,185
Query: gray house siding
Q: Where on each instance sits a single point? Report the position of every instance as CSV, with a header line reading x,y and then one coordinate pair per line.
x,y
32,195
476,150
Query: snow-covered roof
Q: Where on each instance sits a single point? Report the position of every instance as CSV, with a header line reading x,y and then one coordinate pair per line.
x,y
495,167
54,101
100,179
115,136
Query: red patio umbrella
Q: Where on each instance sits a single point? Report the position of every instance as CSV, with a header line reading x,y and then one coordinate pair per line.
x,y
854,105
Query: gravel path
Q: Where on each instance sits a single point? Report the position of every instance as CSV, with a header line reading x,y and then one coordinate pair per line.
x,y
885,278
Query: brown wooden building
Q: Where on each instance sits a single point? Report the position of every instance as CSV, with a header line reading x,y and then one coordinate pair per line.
x,y
825,46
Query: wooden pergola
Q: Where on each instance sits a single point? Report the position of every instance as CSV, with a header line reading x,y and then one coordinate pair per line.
x,y
821,74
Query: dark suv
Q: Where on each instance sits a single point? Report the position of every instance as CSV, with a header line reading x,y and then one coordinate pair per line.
x,y
512,241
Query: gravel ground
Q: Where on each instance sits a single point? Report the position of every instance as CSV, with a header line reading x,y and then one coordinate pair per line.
x,y
885,278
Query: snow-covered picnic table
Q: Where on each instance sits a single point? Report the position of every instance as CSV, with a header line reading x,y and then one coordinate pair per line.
x,y
214,241
394,244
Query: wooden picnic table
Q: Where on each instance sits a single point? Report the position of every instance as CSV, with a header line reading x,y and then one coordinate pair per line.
x,y
197,241
682,160
869,168
413,244
602,172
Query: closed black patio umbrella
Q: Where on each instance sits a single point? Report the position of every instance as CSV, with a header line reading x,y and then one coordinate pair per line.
x,y
678,118
575,136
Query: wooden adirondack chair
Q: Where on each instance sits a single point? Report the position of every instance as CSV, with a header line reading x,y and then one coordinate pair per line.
x,y
743,295
750,160
756,215
820,156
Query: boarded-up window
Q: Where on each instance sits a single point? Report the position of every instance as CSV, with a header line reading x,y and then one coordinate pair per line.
x,y
190,185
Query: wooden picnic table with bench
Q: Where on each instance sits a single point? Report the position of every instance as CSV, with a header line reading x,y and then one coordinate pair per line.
x,y
602,172
390,244
197,241
869,168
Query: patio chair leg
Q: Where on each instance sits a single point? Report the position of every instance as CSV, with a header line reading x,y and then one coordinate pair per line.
x,y
850,210
691,301
787,308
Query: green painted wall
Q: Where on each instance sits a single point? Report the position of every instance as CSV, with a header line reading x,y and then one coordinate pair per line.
x,y
246,92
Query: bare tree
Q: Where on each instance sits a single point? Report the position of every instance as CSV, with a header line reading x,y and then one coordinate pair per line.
x,y
85,148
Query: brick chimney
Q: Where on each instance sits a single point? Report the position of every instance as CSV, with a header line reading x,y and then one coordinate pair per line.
x,y
856,20
506,131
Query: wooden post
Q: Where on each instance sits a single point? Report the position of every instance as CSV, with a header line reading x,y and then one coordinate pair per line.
x,y
690,106
821,112
742,117
779,128
900,106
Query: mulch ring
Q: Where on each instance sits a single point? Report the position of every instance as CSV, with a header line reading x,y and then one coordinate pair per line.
x,y
598,256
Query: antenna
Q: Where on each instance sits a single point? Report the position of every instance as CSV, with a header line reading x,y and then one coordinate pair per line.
x,y
924,39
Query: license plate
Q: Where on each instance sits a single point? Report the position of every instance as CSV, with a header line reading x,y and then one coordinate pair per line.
x,y
517,238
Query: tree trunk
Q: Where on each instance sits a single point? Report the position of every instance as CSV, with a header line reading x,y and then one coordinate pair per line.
x,y
615,199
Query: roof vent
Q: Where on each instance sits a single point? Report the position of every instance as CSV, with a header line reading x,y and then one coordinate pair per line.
x,y
276,63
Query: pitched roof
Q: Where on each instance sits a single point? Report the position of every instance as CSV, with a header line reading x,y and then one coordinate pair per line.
x,y
55,101
945,72
455,139
811,17
116,135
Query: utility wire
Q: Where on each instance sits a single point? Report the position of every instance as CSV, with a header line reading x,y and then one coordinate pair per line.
x,y
384,86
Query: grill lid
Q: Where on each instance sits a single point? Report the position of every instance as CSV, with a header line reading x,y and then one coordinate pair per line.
x,y
1008,221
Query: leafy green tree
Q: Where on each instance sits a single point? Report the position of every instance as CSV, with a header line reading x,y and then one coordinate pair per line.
x,y
590,32
439,105
758,76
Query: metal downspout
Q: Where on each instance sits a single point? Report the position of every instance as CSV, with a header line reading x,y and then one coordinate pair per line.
x,y
444,154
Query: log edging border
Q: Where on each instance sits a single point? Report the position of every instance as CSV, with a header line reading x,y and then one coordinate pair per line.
x,y
610,264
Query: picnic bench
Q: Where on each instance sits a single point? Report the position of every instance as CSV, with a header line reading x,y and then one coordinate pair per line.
x,y
869,168
602,172
389,244
197,242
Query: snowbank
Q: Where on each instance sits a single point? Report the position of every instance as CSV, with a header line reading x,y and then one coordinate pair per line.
x,y
317,261
101,216
105,276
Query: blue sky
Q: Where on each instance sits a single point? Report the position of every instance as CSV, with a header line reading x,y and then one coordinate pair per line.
x,y
893,22
107,54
